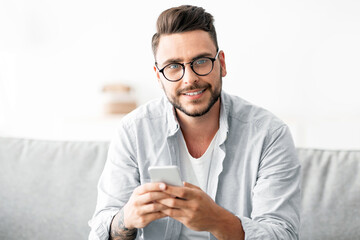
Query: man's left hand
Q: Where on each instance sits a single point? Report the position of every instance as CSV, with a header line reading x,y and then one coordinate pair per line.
x,y
194,208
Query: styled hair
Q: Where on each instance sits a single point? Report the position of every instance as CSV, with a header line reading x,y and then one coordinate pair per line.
x,y
183,19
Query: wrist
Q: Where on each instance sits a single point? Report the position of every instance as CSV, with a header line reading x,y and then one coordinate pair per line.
x,y
118,229
228,226
125,226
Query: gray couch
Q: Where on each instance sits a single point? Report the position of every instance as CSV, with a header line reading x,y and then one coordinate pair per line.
x,y
48,190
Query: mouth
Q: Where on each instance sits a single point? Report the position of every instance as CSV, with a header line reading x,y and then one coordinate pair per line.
x,y
194,93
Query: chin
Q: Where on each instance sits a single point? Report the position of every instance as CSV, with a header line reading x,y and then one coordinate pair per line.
x,y
194,112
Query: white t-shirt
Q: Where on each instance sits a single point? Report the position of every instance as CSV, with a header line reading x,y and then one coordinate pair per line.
x,y
196,172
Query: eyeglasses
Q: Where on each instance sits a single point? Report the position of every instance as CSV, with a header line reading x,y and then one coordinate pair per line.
x,y
174,72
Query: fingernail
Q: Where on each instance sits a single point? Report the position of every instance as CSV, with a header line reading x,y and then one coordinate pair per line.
x,y
162,186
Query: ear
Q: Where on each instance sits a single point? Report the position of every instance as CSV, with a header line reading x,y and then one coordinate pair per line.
x,y
158,76
157,73
222,63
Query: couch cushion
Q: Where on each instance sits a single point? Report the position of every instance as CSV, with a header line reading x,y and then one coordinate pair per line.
x,y
330,194
48,188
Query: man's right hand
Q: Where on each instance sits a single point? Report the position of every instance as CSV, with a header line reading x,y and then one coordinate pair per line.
x,y
139,211
142,207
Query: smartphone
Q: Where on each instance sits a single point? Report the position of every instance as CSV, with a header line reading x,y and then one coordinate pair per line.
x,y
166,174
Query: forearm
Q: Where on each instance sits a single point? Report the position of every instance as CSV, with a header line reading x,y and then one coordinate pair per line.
x,y
118,231
229,227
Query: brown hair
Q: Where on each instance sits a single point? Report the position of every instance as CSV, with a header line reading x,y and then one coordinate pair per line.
x,y
182,19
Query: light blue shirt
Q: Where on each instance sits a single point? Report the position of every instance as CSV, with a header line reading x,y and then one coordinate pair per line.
x,y
254,173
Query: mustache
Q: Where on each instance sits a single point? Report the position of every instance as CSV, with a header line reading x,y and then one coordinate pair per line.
x,y
193,87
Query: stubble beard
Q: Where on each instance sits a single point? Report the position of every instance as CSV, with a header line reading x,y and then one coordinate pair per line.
x,y
215,95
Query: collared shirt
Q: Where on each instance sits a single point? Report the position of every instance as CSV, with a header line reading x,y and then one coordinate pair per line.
x,y
254,173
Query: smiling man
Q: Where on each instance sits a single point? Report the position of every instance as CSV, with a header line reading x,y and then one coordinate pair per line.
x,y
238,161
191,96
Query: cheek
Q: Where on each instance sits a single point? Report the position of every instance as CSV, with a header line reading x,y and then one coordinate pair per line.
x,y
169,87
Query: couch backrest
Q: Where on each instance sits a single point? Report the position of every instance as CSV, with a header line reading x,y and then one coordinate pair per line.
x,y
330,194
48,188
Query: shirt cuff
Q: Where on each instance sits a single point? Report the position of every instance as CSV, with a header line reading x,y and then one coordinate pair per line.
x,y
100,225
253,229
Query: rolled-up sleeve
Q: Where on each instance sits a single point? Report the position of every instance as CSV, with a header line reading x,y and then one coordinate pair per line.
x,y
276,194
116,184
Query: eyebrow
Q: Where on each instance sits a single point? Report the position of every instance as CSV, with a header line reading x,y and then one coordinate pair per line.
x,y
179,60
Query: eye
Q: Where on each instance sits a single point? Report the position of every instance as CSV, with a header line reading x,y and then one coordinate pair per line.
x,y
173,66
201,61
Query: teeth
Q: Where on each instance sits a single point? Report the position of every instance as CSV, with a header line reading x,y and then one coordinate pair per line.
x,y
194,93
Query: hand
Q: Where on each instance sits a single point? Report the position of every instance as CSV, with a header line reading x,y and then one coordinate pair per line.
x,y
196,210
192,207
143,206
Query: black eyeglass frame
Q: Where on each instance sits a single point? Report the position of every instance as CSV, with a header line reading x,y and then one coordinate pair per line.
x,y
191,65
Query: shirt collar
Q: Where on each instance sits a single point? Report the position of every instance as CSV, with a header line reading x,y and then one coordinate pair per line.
x,y
173,124
223,121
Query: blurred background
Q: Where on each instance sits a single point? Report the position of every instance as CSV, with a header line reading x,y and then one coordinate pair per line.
x,y
63,63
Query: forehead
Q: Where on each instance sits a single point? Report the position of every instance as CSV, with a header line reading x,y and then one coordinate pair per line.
x,y
184,45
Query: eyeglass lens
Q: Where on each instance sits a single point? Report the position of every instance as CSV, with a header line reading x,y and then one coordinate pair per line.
x,y
175,71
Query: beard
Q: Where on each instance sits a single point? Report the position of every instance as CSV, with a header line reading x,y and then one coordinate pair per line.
x,y
214,97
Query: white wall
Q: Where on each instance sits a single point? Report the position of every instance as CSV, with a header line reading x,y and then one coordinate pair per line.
x,y
299,59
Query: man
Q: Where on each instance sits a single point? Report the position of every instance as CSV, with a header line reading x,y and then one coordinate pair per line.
x,y
238,161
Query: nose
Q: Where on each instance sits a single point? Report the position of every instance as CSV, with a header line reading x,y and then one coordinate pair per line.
x,y
189,76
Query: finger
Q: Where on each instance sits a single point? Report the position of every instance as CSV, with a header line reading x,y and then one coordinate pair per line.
x,y
180,192
148,218
151,197
154,216
189,185
149,187
151,208
173,202
173,213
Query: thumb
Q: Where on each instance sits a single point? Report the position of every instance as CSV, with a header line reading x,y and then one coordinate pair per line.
x,y
189,185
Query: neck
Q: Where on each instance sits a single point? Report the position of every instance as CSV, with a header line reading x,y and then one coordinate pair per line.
x,y
199,131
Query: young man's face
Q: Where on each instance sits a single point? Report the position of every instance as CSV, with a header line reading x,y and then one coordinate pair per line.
x,y
193,95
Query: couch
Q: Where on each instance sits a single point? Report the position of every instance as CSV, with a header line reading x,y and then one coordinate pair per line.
x,y
48,190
